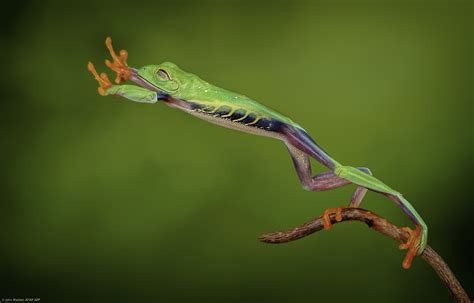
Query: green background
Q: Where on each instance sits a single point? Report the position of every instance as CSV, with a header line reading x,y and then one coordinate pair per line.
x,y
103,199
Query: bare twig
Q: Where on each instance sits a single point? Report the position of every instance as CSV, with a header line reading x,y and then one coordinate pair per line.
x,y
382,226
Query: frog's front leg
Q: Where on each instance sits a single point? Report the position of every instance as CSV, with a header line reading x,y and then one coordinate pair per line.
x,y
131,92
134,93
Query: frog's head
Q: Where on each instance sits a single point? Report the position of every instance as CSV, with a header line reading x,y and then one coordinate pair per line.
x,y
166,77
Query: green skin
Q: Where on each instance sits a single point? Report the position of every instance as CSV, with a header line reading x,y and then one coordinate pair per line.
x,y
168,83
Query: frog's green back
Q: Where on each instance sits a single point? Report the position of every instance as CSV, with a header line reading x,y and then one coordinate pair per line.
x,y
212,99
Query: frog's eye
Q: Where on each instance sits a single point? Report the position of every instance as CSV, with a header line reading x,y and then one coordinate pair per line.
x,y
163,74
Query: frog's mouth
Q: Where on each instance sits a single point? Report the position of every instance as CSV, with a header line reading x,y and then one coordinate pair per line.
x,y
142,81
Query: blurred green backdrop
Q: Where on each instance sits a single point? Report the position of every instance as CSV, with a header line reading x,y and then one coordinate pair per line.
x,y
108,200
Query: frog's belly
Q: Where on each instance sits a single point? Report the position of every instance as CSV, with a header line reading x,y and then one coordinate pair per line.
x,y
267,130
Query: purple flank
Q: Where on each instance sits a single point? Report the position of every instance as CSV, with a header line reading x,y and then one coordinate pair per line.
x,y
300,139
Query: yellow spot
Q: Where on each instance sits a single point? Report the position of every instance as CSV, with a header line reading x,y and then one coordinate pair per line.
x,y
229,114
256,120
240,119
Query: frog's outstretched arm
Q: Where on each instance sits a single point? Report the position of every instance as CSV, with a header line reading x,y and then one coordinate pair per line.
x,y
179,89
132,92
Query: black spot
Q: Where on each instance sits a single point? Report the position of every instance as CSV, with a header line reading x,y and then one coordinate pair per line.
x,y
276,126
369,222
195,106
262,123
223,110
163,96
249,119
208,109
238,114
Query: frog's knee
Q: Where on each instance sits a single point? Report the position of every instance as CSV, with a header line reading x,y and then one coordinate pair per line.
x,y
338,170
343,171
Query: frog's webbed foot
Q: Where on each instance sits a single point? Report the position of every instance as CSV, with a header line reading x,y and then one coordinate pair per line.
x,y
103,79
119,64
412,244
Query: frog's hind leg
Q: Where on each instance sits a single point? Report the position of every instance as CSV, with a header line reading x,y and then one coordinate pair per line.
x,y
419,237
415,245
301,146
322,182
360,191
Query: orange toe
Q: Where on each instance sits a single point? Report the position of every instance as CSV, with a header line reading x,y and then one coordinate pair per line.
x,y
326,216
119,64
102,79
327,220
411,244
406,244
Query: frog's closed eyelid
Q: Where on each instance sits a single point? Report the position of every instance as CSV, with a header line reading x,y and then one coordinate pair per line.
x,y
163,74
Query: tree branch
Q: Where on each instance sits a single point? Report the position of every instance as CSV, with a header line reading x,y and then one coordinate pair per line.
x,y
382,226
